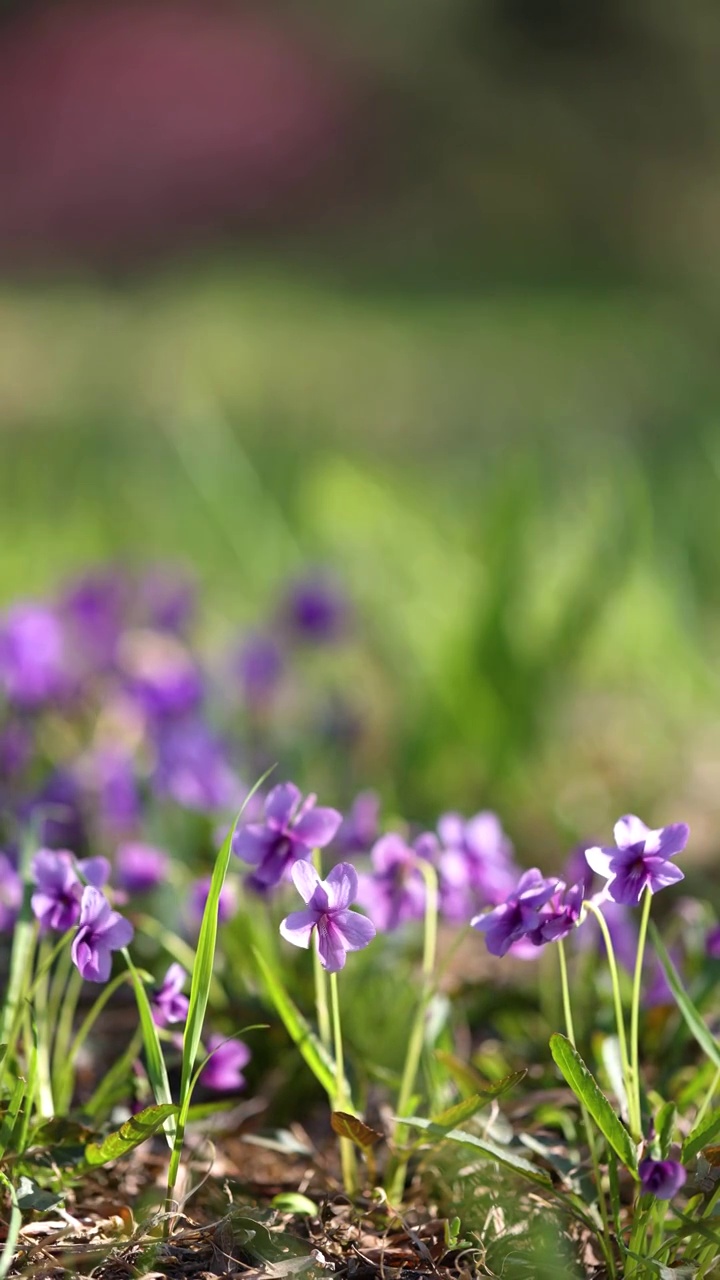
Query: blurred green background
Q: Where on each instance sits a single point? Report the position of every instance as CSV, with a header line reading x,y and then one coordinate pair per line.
x,y
475,373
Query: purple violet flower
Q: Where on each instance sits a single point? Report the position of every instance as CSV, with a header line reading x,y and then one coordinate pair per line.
x,y
93,608
640,860
293,827
166,599
100,932
712,943
258,666
661,1178
167,1002
361,827
395,892
32,656
518,917
160,673
11,894
560,915
315,610
140,867
223,1071
56,900
337,929
193,768
475,866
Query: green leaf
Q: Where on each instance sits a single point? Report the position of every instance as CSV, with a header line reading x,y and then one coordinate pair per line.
x,y
11,1115
32,1198
130,1134
298,1028
701,1136
294,1202
694,1021
502,1155
589,1094
451,1117
470,1080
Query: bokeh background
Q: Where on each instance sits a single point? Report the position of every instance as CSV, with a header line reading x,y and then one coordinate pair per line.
x,y
423,295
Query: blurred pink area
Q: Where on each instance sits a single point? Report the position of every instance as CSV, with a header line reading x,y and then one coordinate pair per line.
x,y
128,127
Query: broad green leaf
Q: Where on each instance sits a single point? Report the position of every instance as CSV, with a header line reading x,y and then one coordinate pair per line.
x,y
130,1134
589,1094
610,1054
694,1021
355,1129
467,1078
451,1117
295,1202
702,1135
502,1155
299,1029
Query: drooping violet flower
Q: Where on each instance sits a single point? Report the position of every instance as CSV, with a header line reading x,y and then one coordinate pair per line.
x,y
100,932
315,610
223,1071
258,666
337,929
475,866
95,871
361,826
198,896
11,894
33,668
293,827
56,900
518,917
140,867
167,1002
640,860
394,893
560,914
661,1178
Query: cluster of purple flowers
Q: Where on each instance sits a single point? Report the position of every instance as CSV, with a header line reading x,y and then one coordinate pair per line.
x,y
68,894
543,909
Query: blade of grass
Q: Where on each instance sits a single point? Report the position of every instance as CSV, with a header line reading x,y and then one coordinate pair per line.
x,y
201,981
298,1028
154,1059
694,1022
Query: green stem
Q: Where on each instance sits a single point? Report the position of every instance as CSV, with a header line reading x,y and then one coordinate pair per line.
x,y
340,1102
63,1067
320,979
635,1009
633,1117
605,1240
398,1166
43,1023
707,1100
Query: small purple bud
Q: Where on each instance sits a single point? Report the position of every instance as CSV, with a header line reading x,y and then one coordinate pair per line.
x,y
661,1178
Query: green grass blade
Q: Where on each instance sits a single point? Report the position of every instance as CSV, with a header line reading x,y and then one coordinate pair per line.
x,y
694,1022
13,1230
590,1095
201,982
11,1115
154,1059
298,1028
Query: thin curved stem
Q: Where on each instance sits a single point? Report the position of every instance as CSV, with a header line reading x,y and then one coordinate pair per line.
x,y
635,1006
633,1115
